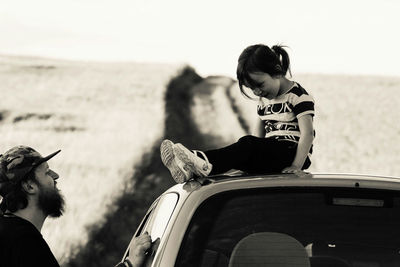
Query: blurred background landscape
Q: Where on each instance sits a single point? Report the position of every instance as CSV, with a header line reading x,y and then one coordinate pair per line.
x,y
110,118
106,81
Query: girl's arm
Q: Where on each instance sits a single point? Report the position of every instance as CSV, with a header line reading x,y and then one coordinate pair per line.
x,y
304,145
260,129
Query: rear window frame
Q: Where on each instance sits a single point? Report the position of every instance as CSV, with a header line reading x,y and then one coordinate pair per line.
x,y
329,193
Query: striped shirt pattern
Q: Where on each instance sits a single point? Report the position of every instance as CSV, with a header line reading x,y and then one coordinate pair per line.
x,y
281,114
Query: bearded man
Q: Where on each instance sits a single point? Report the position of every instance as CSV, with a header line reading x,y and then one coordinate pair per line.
x,y
29,195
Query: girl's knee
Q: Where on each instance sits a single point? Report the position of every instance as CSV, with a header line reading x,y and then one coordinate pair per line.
x,y
246,140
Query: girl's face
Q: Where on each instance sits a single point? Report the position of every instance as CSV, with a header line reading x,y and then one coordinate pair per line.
x,y
268,87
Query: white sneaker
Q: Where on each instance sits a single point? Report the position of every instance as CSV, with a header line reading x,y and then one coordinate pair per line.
x,y
182,163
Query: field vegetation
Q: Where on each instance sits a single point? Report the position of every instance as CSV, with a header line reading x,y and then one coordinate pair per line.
x,y
104,118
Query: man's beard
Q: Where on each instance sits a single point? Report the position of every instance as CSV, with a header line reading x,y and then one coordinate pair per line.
x,y
51,201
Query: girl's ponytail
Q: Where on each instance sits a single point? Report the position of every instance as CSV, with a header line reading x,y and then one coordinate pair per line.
x,y
283,58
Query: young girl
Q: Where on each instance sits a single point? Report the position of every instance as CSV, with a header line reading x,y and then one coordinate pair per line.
x,y
286,134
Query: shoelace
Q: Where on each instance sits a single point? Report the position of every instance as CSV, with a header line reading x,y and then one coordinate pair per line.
x,y
205,166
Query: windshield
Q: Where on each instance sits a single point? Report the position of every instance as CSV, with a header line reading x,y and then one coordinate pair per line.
x,y
154,223
159,218
357,227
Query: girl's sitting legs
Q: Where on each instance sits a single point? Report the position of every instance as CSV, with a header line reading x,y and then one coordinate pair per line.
x,y
249,154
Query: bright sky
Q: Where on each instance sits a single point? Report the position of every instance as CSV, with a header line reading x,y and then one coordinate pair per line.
x,y
337,36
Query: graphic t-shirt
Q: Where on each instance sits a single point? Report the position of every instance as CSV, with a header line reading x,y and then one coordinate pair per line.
x,y
280,115
21,245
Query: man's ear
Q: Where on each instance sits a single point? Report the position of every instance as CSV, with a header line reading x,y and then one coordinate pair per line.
x,y
29,186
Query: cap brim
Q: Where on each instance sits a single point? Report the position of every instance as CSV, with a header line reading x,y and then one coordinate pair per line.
x,y
40,161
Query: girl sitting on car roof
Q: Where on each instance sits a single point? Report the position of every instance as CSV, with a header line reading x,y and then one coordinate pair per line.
x,y
286,134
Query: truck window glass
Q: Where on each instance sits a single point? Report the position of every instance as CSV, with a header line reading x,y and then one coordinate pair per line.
x,y
356,230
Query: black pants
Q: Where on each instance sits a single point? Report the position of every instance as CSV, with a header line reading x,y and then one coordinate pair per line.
x,y
253,154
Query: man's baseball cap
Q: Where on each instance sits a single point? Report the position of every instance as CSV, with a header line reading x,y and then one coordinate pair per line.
x,y
16,163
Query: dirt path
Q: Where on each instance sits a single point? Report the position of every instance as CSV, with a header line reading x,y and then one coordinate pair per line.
x,y
199,114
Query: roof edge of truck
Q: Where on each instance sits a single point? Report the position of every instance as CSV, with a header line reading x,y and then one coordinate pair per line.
x,y
280,179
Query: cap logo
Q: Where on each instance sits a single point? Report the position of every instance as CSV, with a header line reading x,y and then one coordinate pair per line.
x,y
14,162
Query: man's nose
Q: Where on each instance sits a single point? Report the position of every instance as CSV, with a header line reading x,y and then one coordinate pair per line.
x,y
53,174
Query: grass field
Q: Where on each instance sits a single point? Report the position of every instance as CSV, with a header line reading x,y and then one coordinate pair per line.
x,y
103,117
106,116
356,122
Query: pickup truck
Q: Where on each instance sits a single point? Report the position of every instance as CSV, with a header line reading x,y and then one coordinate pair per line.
x,y
276,220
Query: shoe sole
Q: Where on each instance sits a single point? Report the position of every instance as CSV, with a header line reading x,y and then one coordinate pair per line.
x,y
170,161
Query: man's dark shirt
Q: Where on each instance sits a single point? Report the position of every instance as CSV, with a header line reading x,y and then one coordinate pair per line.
x,y
21,245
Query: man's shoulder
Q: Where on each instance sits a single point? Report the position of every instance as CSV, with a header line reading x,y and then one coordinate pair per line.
x,y
15,225
20,240
13,230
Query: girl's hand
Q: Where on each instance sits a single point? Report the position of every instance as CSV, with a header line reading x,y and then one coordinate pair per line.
x,y
295,170
291,169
